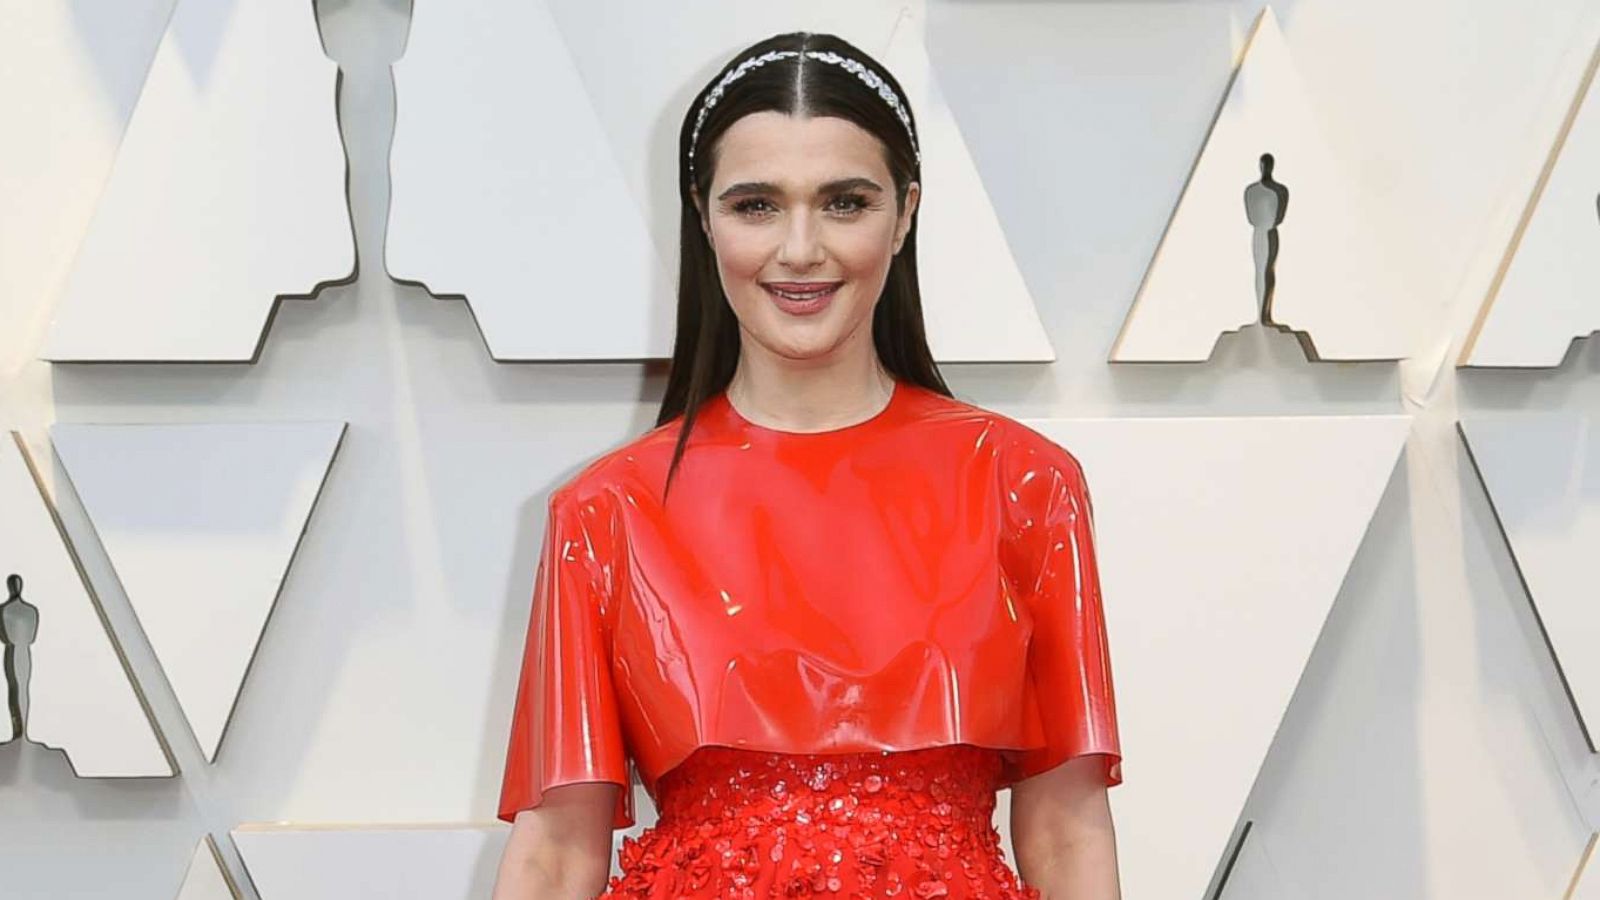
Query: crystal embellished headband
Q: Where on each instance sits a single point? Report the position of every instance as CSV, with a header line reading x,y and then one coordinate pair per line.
x,y
867,76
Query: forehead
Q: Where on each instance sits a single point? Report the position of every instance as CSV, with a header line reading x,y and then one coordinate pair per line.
x,y
784,149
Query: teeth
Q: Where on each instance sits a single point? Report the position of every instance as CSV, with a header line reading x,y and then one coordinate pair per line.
x,y
788,295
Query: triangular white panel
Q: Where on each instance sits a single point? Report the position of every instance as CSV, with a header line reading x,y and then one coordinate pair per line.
x,y
1586,885
82,700
1222,545
201,523
1550,293
1331,281
396,863
506,191
1253,876
66,87
228,191
205,879
962,254
1542,474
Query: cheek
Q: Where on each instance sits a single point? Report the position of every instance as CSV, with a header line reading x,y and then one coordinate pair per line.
x,y
863,251
742,252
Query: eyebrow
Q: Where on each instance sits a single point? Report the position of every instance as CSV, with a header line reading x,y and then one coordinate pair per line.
x,y
839,185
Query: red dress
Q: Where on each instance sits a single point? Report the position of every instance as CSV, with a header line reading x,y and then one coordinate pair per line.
x,y
823,655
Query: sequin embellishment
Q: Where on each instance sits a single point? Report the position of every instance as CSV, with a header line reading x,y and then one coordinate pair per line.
x,y
739,823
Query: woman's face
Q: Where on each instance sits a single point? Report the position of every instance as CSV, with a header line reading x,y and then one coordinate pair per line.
x,y
801,215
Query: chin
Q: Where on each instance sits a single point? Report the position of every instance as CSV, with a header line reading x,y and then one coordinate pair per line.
x,y
800,337
799,348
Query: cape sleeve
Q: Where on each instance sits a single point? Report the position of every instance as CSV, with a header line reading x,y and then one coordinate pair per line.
x,y
1050,554
565,727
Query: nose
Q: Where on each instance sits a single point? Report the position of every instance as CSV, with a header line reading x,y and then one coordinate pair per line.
x,y
801,248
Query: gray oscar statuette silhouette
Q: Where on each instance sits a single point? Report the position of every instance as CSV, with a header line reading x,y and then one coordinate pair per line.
x,y
1266,202
19,625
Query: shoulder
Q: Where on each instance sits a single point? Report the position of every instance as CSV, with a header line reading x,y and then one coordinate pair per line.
x,y
629,465
1019,447
1030,449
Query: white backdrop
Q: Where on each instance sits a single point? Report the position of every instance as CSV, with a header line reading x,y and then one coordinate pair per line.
x,y
1429,749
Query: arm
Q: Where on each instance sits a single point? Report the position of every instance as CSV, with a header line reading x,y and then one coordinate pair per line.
x,y
1062,835
561,849
566,782
1061,831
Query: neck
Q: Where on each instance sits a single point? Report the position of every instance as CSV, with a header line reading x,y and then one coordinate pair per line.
x,y
809,395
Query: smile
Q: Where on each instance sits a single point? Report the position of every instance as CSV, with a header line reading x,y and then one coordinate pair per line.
x,y
802,298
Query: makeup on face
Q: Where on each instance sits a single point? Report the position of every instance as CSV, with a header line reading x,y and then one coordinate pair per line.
x,y
840,199
803,221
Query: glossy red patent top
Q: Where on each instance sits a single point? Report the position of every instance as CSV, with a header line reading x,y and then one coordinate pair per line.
x,y
921,578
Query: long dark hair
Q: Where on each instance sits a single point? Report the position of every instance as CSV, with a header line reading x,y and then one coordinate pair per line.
x,y
706,348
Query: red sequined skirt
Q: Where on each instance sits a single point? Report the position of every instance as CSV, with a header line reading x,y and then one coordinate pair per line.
x,y
746,824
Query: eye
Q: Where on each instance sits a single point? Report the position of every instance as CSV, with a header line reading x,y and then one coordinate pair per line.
x,y
751,206
852,203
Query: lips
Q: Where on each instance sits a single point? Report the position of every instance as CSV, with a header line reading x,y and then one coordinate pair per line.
x,y
801,287
802,297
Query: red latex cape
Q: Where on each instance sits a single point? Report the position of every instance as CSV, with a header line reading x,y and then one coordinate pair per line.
x,y
924,577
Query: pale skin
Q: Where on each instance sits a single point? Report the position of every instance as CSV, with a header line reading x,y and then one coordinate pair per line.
x,y
796,199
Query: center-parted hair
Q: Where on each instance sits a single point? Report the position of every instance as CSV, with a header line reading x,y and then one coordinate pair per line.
x,y
809,75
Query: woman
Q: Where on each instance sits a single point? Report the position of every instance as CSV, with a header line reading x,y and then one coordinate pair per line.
x,y
823,609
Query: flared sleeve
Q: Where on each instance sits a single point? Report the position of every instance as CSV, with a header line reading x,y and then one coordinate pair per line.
x,y
565,726
1049,553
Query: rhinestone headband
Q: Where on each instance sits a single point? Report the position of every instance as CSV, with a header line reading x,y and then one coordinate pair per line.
x,y
867,76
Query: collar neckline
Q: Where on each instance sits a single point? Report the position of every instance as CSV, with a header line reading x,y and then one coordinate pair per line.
x,y
898,394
